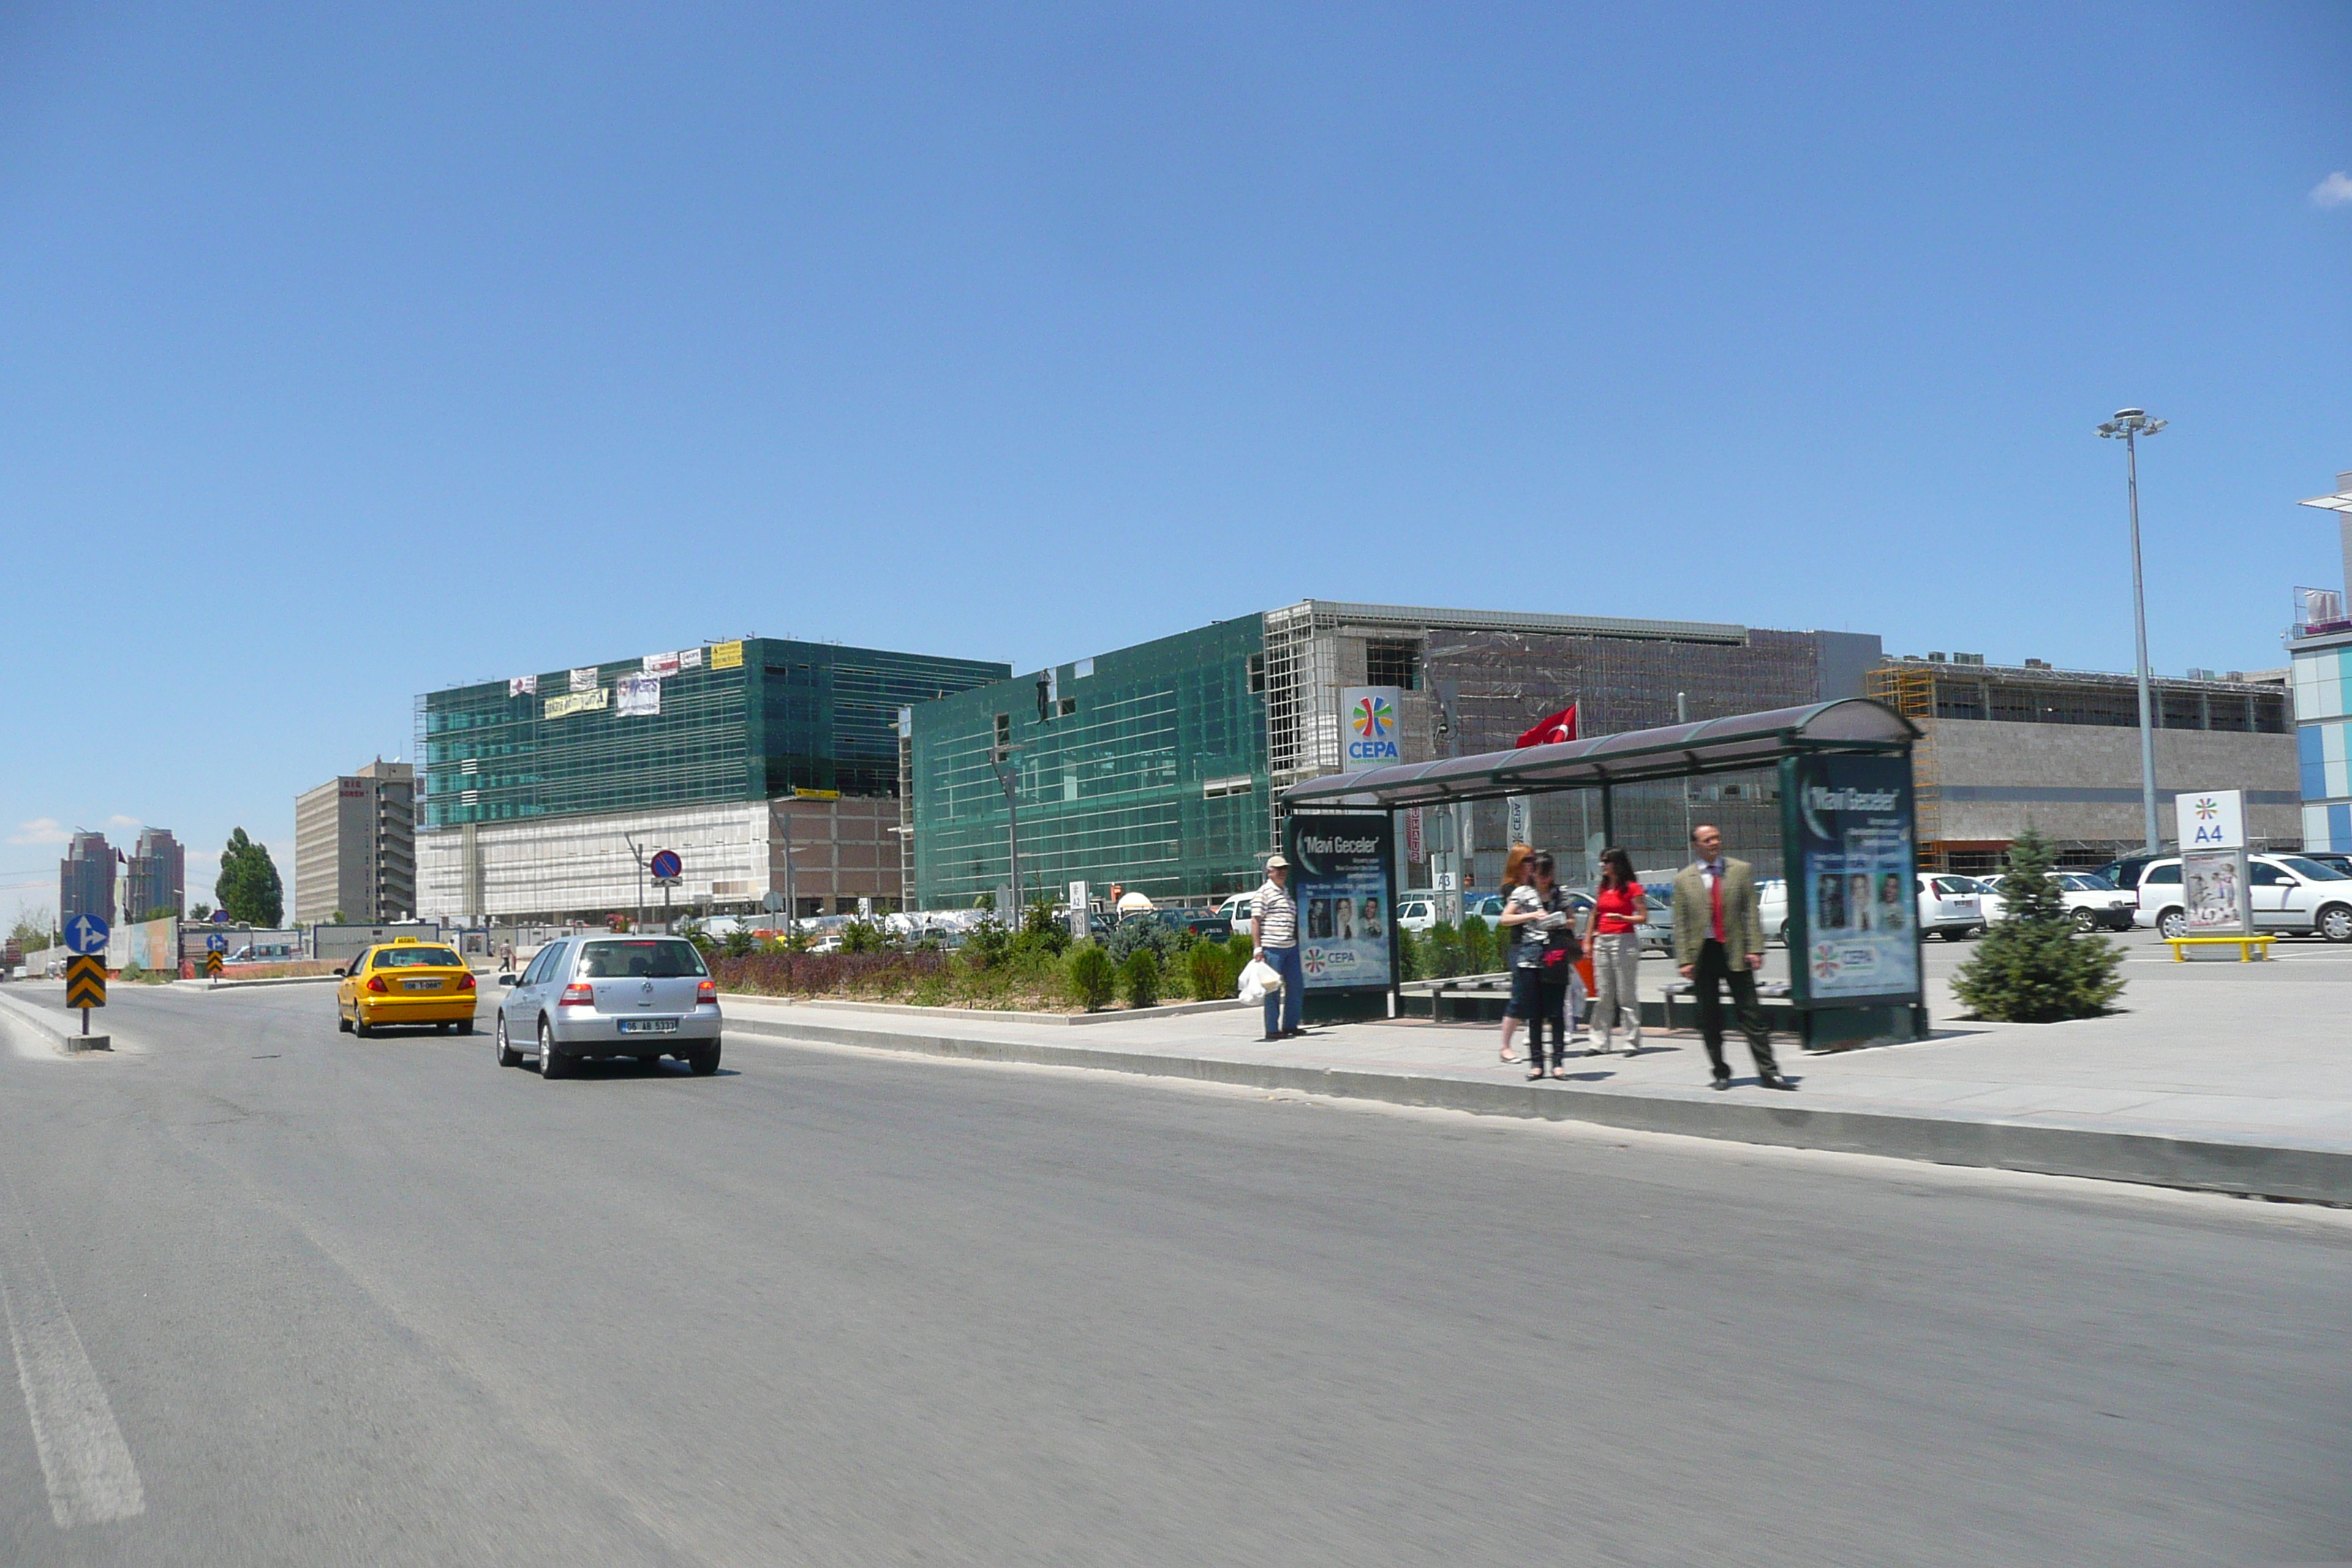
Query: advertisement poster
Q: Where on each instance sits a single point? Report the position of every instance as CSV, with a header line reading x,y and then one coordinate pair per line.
x,y
522,686
2213,886
1339,873
1861,900
659,664
1368,727
726,656
639,696
594,700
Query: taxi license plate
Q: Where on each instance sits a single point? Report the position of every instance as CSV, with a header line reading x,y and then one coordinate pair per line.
x,y
420,985
649,1025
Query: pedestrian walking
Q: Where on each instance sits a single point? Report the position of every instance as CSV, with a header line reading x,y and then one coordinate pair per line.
x,y
1542,961
1615,926
1719,942
1274,937
1515,874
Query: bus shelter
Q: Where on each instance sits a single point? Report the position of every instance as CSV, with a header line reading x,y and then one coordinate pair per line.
x,y
1847,841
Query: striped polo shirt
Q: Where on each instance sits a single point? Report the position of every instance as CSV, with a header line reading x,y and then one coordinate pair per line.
x,y
1277,915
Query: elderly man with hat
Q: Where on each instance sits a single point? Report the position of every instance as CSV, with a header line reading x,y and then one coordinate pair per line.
x,y
1274,937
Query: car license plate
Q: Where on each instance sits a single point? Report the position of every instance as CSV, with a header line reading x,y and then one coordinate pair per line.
x,y
420,985
649,1025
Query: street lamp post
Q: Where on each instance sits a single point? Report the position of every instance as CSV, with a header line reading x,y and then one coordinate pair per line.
x,y
2129,426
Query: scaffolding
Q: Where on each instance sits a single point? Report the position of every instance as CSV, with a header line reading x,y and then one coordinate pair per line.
x,y
1910,691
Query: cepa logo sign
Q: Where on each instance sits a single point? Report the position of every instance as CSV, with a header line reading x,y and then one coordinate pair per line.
x,y
1373,724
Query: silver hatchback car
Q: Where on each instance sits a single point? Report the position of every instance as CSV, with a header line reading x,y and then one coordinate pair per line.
x,y
642,997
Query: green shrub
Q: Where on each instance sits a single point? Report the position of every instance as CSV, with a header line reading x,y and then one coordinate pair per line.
x,y
1138,977
1142,932
1208,973
1410,959
1478,946
1042,931
2033,967
738,942
1443,948
1093,978
985,945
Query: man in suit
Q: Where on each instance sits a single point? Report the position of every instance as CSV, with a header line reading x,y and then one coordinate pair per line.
x,y
1719,941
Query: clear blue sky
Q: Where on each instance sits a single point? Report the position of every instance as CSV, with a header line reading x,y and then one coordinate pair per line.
x,y
348,352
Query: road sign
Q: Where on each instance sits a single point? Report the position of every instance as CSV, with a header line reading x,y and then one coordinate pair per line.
x,y
220,917
86,934
665,866
774,904
85,981
213,962
216,942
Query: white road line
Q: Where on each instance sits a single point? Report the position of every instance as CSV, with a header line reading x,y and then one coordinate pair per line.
x,y
83,1456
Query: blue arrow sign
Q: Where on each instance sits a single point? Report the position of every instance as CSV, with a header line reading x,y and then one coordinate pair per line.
x,y
85,934
216,944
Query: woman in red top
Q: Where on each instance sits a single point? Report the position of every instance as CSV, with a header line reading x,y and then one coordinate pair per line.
x,y
1615,926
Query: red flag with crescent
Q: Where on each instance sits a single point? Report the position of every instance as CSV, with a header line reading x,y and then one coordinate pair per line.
x,y
1552,728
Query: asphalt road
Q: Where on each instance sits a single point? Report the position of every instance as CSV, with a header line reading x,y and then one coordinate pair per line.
x,y
277,1295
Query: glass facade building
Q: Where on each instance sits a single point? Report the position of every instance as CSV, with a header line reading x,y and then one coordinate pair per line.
x,y
727,722
2323,716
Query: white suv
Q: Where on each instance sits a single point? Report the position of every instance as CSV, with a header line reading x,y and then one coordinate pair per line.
x,y
2288,893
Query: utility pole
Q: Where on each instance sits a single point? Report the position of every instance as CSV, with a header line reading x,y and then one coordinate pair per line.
x,y
2129,426
640,855
1004,761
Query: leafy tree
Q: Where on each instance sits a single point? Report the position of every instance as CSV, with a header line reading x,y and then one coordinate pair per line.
x,y
1045,932
2033,966
248,887
340,919
1138,976
1093,978
204,912
985,944
36,927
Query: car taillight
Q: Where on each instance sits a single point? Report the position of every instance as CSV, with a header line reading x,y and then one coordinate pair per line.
x,y
375,982
466,981
577,997
706,991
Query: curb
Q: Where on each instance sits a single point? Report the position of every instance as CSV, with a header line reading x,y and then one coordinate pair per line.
x,y
986,1014
63,1040
2249,1170
201,983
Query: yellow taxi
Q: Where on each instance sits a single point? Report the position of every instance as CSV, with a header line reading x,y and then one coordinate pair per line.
x,y
407,981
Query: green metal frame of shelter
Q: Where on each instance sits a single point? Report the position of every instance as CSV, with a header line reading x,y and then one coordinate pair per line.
x,y
1739,743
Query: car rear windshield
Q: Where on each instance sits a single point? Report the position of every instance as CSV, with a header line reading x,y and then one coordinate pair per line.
x,y
663,959
418,958
2311,870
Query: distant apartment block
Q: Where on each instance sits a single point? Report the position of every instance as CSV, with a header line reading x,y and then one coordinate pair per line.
x,y
156,876
355,846
86,879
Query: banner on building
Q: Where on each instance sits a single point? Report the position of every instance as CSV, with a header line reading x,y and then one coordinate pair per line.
x,y
726,656
584,679
522,686
639,696
1854,915
1368,727
570,702
659,665
689,658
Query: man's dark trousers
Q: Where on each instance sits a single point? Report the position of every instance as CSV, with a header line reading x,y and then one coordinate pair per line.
x,y
1714,965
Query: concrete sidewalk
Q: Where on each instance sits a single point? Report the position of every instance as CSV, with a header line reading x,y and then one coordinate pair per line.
x,y
2227,1079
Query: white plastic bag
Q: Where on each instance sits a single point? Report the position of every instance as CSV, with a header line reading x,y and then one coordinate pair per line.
x,y
1258,979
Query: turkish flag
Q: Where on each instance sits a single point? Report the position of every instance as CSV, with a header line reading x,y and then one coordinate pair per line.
x,y
1552,729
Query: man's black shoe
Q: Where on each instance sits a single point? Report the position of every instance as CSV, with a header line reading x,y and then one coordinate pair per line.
x,y
1773,1080
1274,1036
1722,1080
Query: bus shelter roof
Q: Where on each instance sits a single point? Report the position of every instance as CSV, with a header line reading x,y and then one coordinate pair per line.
x,y
1733,744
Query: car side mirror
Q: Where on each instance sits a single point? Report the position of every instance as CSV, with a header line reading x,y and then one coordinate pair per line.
x,y
506,979
339,974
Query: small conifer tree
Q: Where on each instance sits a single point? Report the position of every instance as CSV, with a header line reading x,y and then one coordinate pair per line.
x,y
2033,966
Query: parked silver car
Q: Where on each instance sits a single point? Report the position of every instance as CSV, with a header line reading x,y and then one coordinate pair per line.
x,y
642,997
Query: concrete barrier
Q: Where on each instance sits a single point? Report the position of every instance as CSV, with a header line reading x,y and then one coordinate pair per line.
x,y
62,1031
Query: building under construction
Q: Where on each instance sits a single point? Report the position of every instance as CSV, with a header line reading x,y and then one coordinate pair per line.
x,y
2005,747
1155,766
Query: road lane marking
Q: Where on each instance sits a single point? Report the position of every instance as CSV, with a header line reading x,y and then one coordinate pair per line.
x,y
84,1459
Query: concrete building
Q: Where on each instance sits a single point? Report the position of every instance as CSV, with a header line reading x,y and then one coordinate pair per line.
x,y
355,846
86,880
1155,766
155,876
2009,746
2319,643
767,765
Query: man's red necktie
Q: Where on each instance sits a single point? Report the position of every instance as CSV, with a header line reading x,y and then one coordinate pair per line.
x,y
1715,902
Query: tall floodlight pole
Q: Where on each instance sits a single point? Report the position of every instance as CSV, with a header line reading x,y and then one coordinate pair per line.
x,y
1008,774
2129,426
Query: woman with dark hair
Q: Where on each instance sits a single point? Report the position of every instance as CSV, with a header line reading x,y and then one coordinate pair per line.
x,y
1515,873
1614,924
1541,962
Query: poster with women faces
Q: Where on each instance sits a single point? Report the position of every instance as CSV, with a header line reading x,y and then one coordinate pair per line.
x,y
1854,834
1341,874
